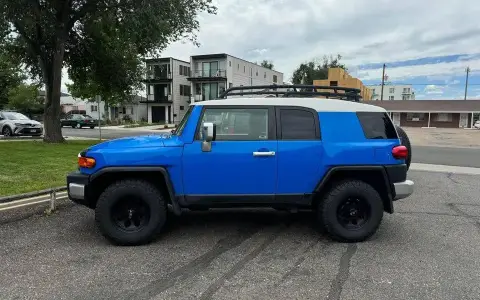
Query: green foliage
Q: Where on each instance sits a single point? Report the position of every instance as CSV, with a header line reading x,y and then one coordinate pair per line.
x,y
101,42
314,70
267,64
10,76
25,98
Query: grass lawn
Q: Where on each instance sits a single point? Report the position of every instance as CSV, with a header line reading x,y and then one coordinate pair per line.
x,y
27,166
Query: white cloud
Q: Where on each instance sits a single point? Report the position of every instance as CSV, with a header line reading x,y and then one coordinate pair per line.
x,y
434,89
289,32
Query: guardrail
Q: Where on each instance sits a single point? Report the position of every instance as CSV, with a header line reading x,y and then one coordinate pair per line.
x,y
50,196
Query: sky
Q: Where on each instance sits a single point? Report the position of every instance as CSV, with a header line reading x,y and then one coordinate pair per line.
x,y
426,43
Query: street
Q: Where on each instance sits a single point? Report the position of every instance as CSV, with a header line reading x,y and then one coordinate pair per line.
x,y
466,157
428,249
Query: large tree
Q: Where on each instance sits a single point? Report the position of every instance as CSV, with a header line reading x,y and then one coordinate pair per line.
x,y
316,70
267,64
99,41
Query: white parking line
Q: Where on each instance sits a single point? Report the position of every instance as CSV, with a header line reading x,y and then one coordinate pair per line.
x,y
444,169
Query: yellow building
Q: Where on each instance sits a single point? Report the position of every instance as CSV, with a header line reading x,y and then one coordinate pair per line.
x,y
339,77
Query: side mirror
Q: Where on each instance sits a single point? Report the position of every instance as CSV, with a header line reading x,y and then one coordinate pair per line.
x,y
208,134
209,131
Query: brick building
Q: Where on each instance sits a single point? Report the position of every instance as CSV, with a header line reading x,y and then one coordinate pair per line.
x,y
432,113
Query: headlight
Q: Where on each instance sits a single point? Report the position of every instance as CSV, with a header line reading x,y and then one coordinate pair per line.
x,y
18,124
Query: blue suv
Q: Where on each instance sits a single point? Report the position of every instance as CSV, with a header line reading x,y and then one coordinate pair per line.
x,y
342,159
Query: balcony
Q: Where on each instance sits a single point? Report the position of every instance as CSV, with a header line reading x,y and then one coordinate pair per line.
x,y
158,99
208,75
158,77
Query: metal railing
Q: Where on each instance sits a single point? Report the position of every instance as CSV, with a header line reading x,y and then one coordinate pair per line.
x,y
50,196
215,73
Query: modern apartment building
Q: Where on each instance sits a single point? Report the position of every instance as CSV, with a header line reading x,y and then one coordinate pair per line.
x,y
212,74
168,89
339,77
393,92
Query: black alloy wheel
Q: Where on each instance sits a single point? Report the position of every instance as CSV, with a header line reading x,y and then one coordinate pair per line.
x,y
130,214
353,213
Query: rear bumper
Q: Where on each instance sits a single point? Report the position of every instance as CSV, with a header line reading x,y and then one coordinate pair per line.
x,y
77,187
403,189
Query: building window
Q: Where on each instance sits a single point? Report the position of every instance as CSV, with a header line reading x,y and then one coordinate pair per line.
x,y
230,85
94,108
182,108
188,71
406,90
373,91
124,110
181,70
243,69
415,117
333,83
229,63
392,90
131,110
265,75
238,66
150,89
404,97
256,72
390,97
275,78
444,117
184,90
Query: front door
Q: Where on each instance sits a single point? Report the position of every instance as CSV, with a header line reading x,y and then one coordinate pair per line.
x,y
463,120
158,114
242,163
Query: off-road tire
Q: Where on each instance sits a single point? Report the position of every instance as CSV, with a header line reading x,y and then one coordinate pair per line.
x,y
149,194
6,131
327,211
405,142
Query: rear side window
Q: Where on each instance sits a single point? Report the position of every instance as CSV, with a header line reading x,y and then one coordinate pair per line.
x,y
377,125
297,124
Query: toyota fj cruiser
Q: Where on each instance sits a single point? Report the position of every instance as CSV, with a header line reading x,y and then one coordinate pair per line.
x,y
290,150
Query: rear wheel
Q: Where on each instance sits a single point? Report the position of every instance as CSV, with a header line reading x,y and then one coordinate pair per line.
x,y
92,127
78,126
351,211
405,142
131,212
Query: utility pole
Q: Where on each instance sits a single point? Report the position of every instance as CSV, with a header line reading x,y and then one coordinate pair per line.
x,y
466,83
383,82
99,118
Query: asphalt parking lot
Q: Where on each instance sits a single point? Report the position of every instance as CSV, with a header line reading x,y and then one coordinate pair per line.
x,y
429,249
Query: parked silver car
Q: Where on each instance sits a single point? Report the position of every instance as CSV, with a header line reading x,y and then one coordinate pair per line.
x,y
14,123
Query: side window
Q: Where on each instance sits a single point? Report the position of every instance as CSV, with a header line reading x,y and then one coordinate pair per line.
x,y
297,124
377,125
238,124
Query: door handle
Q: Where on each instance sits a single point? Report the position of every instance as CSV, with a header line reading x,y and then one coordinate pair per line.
x,y
268,153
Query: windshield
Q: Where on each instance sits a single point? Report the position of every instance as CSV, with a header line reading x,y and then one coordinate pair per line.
x,y
15,116
183,122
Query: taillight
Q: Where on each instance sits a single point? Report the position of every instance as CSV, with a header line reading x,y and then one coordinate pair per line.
x,y
400,152
86,162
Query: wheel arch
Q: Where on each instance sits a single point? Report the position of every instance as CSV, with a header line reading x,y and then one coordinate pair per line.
x,y
158,176
376,176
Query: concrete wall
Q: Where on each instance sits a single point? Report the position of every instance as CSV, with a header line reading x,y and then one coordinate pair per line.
x,y
179,101
397,93
343,79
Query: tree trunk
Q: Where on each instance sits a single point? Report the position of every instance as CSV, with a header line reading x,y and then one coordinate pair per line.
x,y
53,80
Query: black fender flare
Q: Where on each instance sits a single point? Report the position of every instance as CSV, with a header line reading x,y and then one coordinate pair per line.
x,y
377,168
168,182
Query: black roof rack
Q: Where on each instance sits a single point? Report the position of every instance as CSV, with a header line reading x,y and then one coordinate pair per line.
x,y
295,90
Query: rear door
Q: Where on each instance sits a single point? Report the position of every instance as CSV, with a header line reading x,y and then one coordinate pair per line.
x,y
300,151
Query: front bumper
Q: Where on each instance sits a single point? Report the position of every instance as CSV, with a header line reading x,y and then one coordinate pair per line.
x,y
403,189
20,130
77,187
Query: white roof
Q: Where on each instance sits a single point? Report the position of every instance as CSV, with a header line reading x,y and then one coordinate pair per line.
x,y
318,104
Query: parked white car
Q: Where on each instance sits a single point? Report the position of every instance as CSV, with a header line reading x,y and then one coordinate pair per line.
x,y
477,124
14,123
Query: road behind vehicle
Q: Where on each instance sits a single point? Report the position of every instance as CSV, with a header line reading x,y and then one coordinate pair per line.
x,y
16,124
78,121
286,152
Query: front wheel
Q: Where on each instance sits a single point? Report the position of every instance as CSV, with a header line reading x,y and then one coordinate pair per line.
x,y
78,126
130,212
7,131
92,127
351,211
